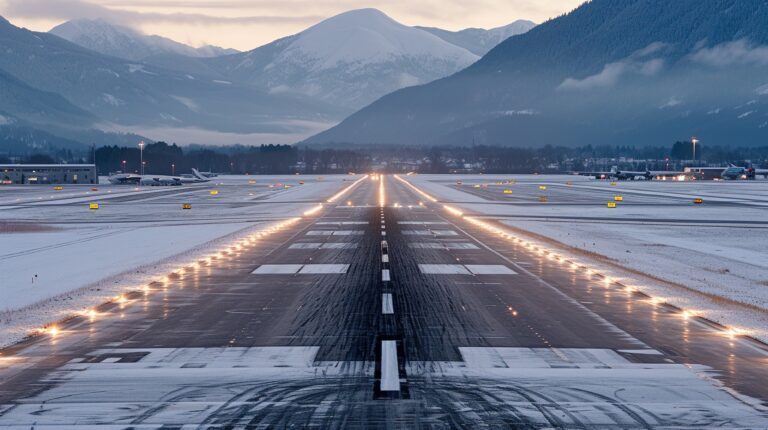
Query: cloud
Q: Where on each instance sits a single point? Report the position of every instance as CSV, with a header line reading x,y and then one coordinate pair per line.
x,y
671,102
738,52
75,9
637,63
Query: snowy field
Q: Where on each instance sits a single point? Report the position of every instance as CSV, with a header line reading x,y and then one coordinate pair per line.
x,y
57,255
709,257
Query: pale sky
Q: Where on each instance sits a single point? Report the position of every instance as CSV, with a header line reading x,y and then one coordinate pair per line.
x,y
247,24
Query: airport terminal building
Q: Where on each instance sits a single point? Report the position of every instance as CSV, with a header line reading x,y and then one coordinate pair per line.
x,y
48,174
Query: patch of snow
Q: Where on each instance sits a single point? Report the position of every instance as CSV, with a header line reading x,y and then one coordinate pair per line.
x,y
745,114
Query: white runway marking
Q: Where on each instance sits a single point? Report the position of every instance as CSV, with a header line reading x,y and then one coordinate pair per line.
x,y
277,269
302,269
342,223
443,269
324,268
430,233
167,385
390,378
383,233
326,245
335,233
443,245
469,269
385,275
490,269
385,258
422,222
387,308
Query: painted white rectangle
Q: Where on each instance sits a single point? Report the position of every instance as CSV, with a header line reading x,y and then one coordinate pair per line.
x,y
430,233
339,245
383,233
442,245
385,258
387,308
443,269
342,223
305,245
390,378
490,269
319,232
385,275
348,233
324,269
277,269
422,222
444,233
417,233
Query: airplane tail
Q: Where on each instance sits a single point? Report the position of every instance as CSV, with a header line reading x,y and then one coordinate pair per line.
x,y
199,175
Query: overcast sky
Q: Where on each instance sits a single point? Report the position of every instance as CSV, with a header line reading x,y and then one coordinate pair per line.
x,y
246,24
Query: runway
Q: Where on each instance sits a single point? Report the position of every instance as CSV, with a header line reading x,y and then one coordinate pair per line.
x,y
383,311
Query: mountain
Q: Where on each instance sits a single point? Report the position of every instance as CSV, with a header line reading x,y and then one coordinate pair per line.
x,y
479,41
348,60
128,95
612,71
123,42
20,102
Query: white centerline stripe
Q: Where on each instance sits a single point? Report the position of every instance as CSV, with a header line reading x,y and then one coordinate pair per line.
x,y
385,275
390,378
387,308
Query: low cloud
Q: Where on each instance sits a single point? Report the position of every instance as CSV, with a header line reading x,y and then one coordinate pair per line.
x,y
76,9
638,63
732,53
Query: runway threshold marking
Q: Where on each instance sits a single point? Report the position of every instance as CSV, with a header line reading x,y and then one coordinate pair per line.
x,y
387,308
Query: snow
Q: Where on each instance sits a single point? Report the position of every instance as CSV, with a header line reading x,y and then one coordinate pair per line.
x,y
710,258
368,36
83,257
197,386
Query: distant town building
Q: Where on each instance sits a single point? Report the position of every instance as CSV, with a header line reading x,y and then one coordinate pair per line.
x,y
48,174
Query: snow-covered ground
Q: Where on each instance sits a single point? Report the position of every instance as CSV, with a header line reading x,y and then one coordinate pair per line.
x,y
58,256
711,258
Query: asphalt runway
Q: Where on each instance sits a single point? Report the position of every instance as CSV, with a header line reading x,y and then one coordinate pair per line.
x,y
384,312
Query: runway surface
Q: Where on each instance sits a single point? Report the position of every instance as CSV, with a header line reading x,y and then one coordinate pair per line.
x,y
384,312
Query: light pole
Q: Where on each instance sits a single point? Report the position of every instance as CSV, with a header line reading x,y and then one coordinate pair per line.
x,y
124,161
141,155
694,141
173,169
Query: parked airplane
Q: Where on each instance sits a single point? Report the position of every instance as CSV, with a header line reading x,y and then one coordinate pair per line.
x,y
736,172
631,175
156,180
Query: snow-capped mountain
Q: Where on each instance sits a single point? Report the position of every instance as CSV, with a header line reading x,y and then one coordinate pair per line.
x,y
119,41
639,72
478,40
348,60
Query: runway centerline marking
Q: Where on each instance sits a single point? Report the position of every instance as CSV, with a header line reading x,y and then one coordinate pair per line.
x,y
385,275
390,378
387,308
